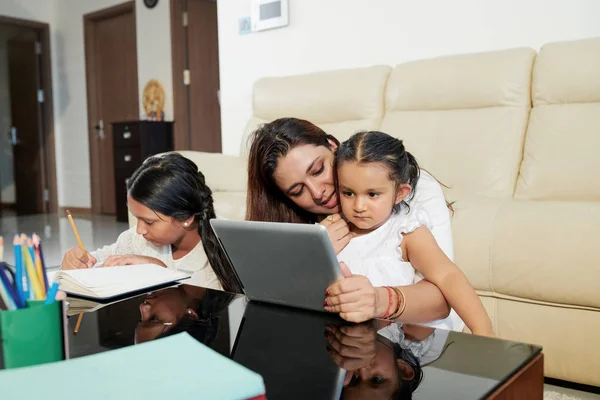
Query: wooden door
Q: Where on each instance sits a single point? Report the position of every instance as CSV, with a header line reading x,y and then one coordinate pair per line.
x,y
112,84
26,131
195,50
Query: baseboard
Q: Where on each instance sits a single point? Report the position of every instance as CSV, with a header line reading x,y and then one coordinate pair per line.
x,y
572,385
76,211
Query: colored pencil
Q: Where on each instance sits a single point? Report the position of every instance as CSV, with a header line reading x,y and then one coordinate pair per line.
x,y
37,242
76,330
33,277
39,269
20,276
1,249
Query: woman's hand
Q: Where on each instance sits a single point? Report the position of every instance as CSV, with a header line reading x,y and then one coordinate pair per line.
x,y
131,259
338,231
352,347
355,298
75,258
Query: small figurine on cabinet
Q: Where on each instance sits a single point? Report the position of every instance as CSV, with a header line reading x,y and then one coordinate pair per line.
x,y
154,100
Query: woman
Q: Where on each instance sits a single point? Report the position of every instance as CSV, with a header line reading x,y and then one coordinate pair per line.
x,y
291,179
173,207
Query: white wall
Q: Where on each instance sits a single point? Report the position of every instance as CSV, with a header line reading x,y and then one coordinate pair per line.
x,y
332,34
68,75
154,50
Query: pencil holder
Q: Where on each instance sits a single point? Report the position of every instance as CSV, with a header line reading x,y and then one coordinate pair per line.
x,y
33,335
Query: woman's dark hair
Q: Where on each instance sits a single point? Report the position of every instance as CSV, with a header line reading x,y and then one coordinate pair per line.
x,y
271,141
407,387
378,147
172,185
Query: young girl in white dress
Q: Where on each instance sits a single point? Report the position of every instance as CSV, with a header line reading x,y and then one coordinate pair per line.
x,y
173,206
391,244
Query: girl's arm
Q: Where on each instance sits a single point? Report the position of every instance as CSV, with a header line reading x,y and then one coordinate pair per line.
x,y
426,257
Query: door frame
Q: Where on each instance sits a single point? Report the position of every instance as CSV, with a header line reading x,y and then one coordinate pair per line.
x,y
48,139
181,93
92,90
182,135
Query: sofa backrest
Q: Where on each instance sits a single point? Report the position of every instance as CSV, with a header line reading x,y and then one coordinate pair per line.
x,y
561,159
340,102
464,117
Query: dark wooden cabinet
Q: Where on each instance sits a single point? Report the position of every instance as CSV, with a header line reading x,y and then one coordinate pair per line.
x,y
133,142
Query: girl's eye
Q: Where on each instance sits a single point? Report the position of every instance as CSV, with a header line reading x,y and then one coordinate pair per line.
x,y
347,194
148,222
373,194
298,193
377,380
320,170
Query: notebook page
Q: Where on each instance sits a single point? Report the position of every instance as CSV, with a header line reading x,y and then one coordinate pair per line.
x,y
125,277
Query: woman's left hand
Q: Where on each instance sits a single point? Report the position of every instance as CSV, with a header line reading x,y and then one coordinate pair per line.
x,y
131,259
354,297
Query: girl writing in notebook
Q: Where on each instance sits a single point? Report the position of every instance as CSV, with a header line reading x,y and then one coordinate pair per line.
x,y
172,204
391,241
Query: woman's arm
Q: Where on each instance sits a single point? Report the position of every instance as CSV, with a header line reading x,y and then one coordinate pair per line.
x,y
355,298
426,257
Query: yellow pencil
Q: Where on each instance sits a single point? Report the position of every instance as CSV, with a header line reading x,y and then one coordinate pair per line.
x,y
80,243
31,272
38,262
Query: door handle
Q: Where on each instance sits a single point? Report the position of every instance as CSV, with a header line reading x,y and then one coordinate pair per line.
x,y
13,136
100,130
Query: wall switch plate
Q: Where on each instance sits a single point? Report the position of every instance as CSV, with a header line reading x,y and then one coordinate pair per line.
x,y
244,25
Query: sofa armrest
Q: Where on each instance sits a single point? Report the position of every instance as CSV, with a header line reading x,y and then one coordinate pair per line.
x,y
223,173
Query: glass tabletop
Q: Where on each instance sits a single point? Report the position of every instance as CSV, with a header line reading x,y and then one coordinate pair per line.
x,y
307,355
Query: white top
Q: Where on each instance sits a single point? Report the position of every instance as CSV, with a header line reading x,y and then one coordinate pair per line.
x,y
378,256
427,350
195,263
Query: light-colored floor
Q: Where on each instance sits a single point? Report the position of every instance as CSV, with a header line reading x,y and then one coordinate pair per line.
x,y
559,393
57,235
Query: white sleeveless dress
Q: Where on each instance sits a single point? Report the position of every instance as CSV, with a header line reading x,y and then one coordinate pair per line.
x,y
378,255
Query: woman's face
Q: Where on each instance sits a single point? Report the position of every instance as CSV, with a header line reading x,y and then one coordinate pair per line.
x,y
158,229
305,175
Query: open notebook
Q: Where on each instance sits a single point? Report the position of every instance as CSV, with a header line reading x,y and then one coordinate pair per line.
x,y
108,282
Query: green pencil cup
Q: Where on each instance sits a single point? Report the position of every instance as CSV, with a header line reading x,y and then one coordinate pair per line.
x,y
33,335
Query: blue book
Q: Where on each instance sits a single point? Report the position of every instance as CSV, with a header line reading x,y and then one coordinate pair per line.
x,y
175,367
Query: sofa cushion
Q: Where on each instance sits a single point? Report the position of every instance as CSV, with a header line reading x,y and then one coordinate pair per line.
x,y
464,117
341,102
546,251
473,235
230,205
222,172
561,159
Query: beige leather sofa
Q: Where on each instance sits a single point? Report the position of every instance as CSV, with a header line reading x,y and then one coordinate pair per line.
x,y
516,136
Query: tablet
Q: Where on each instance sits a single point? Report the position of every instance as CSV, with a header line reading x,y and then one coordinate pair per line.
x,y
280,263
